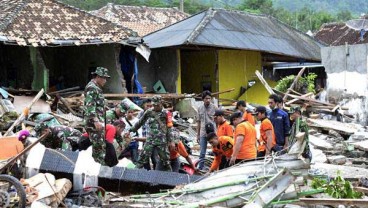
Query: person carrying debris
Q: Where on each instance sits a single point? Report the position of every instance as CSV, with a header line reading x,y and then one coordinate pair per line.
x,y
268,138
222,148
58,136
299,125
94,110
280,122
204,118
177,150
158,137
247,115
244,139
223,127
115,114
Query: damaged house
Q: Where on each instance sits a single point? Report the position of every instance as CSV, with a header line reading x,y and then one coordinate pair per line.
x,y
48,44
346,64
219,49
145,20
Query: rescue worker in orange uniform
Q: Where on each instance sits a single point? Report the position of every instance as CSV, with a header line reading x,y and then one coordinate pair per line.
x,y
222,148
223,127
247,115
244,139
177,150
268,138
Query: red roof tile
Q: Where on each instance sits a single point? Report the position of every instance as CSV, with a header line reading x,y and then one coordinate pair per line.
x,y
44,22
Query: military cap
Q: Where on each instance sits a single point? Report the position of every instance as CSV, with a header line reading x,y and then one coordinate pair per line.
x,y
40,127
156,99
295,109
102,72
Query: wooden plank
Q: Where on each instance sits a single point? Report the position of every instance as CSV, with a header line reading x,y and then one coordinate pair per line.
x,y
22,116
335,202
264,82
64,90
310,100
294,83
294,100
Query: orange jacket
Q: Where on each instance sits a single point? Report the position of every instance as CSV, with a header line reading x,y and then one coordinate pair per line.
x,y
248,148
225,129
265,126
224,148
179,150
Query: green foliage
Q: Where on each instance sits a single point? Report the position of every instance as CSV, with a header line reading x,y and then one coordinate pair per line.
x,y
337,188
304,84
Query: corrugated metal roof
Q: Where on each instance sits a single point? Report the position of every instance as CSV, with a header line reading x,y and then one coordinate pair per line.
x,y
141,19
47,22
237,30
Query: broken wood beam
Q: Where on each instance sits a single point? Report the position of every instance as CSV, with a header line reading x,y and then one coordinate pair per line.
x,y
264,82
64,90
23,115
67,105
295,99
310,100
335,202
198,96
168,95
294,83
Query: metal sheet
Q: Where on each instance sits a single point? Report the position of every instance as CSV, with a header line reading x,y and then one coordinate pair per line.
x,y
238,30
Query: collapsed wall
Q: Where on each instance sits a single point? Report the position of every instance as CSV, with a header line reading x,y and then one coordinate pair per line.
x,y
347,78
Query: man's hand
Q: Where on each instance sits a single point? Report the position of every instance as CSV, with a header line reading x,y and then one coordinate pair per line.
x,y
198,139
232,161
127,135
98,126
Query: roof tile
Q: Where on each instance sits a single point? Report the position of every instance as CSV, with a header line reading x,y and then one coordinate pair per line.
x,y
45,20
141,19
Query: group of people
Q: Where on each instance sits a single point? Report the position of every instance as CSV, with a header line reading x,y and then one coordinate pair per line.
x,y
113,133
236,141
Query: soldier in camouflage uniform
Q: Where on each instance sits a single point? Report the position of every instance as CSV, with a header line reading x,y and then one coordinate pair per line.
x,y
299,125
94,104
59,136
115,114
158,136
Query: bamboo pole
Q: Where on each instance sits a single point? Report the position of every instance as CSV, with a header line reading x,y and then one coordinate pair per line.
x,y
294,83
23,116
294,100
264,82
64,90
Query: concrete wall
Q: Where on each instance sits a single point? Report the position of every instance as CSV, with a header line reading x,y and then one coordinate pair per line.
x,y
162,65
347,77
236,68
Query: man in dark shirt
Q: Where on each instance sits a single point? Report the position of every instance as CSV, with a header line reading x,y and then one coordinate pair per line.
x,y
280,122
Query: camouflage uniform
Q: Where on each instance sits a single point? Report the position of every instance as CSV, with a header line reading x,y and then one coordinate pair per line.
x,y
61,137
111,115
94,104
158,137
